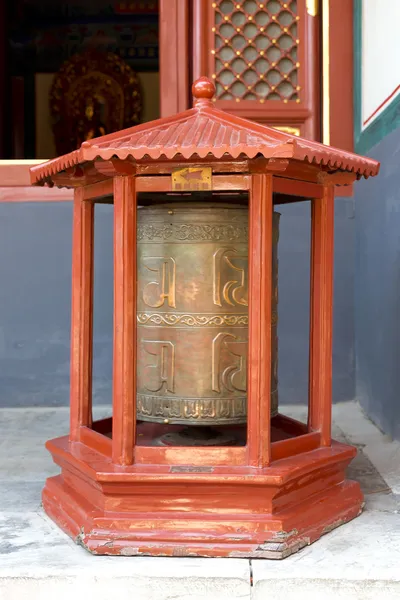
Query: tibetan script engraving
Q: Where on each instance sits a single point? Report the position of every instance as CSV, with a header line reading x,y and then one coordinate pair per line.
x,y
191,410
161,374
230,279
227,350
155,293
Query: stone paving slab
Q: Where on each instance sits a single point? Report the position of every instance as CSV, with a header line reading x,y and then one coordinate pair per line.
x,y
38,561
360,560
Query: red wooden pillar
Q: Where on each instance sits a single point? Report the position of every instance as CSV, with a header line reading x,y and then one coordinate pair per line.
x,y
320,378
124,373
260,289
337,88
174,56
81,315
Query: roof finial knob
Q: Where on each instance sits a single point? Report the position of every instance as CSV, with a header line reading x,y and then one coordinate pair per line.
x,y
203,91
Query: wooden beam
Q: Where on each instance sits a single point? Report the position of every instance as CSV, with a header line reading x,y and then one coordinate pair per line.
x,y
98,190
163,183
167,166
291,187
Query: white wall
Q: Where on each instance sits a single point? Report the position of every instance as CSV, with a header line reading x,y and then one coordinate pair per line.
x,y
380,80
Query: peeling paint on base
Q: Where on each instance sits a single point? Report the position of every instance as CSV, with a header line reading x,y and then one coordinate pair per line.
x,y
342,521
80,540
284,535
128,551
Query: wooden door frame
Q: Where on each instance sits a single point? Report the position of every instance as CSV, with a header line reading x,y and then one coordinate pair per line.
x,y
174,34
337,73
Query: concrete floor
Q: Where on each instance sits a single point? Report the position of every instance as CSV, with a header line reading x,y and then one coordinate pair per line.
x,y
360,560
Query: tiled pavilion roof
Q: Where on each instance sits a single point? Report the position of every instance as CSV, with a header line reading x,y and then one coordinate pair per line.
x,y
205,131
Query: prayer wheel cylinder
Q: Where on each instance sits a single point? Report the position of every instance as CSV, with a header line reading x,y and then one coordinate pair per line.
x,y
192,314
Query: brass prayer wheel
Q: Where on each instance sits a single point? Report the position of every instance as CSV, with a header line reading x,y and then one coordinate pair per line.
x,y
192,313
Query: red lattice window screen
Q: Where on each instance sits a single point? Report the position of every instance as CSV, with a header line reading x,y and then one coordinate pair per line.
x,y
256,50
264,58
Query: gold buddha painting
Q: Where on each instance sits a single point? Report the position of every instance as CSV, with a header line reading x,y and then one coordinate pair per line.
x,y
93,93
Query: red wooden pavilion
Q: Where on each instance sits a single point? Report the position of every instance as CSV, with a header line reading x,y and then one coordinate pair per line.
x,y
119,494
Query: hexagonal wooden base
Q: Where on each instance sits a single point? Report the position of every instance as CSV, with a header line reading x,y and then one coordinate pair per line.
x,y
235,512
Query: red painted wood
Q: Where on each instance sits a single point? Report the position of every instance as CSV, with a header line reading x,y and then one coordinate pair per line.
x,y
226,512
210,457
277,473
269,114
166,167
174,64
259,351
294,188
81,316
97,190
293,446
95,440
221,183
341,53
288,436
124,370
320,382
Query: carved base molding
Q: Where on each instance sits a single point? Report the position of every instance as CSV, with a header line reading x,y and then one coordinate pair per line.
x,y
234,512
